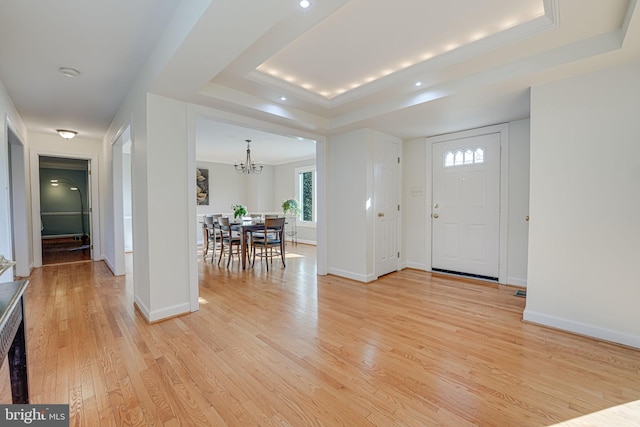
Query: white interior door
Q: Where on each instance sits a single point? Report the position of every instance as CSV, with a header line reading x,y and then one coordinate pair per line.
x,y
386,206
466,206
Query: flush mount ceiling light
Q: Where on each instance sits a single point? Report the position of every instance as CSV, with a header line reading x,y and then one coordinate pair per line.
x,y
69,72
304,4
66,134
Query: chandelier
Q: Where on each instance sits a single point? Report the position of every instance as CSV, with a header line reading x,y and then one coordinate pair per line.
x,y
248,166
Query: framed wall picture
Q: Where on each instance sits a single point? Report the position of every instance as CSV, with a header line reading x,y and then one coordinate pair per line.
x,y
202,186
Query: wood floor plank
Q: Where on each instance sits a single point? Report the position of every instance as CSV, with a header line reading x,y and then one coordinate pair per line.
x,y
289,348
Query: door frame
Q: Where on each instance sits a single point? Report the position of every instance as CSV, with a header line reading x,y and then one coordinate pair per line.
x,y
503,130
123,136
16,203
92,201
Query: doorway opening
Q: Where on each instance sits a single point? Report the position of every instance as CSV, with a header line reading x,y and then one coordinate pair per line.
x,y
65,221
469,192
14,209
121,150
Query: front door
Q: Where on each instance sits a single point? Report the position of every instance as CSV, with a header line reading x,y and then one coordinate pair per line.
x,y
386,206
466,206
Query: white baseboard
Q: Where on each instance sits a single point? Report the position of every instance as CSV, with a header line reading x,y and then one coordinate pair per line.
x,y
306,242
350,275
415,266
110,265
165,313
169,312
517,282
142,308
582,328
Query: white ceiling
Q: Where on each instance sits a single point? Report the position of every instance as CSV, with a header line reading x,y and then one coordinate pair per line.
x,y
225,143
342,65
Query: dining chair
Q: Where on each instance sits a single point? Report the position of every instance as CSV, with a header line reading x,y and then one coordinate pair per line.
x,y
213,235
259,234
228,240
269,239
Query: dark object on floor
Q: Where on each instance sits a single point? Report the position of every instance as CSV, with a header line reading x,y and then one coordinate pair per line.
x,y
521,293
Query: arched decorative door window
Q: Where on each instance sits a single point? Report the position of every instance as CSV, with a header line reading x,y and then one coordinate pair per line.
x,y
463,156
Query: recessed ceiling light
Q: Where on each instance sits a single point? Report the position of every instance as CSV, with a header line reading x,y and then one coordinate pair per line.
x,y
304,4
69,72
283,98
418,83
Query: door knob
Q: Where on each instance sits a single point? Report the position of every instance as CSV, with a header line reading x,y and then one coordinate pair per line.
x,y
380,214
436,216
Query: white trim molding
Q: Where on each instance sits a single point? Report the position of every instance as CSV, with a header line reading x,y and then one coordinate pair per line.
x,y
582,328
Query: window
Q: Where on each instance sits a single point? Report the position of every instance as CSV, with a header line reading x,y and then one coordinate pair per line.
x,y
468,156
306,193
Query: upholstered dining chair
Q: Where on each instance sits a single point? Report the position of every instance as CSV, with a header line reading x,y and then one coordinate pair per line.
x,y
271,239
259,235
228,240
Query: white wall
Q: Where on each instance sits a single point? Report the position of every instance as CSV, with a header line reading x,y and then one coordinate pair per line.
x,y
584,240
417,189
259,190
284,185
349,182
126,201
518,227
170,188
150,295
416,196
226,188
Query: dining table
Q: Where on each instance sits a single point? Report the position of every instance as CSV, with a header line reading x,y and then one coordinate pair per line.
x,y
245,228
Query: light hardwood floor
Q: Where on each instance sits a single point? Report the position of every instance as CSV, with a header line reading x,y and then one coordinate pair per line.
x,y
290,348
